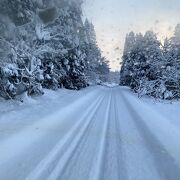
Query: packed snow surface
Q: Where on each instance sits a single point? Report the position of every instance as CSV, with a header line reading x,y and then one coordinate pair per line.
x,y
99,133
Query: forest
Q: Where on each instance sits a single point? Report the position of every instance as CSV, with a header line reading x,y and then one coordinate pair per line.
x,y
151,67
47,44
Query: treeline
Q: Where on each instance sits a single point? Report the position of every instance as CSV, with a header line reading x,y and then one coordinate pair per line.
x,y
46,44
150,67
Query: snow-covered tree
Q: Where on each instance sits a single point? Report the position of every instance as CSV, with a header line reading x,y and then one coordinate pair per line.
x,y
45,44
143,65
128,60
62,48
171,75
97,66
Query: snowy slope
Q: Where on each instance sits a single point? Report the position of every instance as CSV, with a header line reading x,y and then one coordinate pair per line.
x,y
99,133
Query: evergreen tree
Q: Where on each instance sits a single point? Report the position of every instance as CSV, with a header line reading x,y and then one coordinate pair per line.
x,y
45,49
97,66
46,44
126,69
143,62
171,76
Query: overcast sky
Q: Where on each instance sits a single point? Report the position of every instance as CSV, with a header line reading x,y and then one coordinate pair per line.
x,y
114,18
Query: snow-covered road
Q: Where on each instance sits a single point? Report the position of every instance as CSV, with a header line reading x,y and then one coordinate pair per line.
x,y
98,133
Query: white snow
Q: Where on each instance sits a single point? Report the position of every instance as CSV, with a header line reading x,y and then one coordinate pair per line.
x,y
99,133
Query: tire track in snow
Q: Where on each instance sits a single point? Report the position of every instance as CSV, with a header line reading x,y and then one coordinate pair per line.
x,y
122,169
15,140
83,158
33,144
138,163
60,150
163,161
97,170
165,129
79,164
113,166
